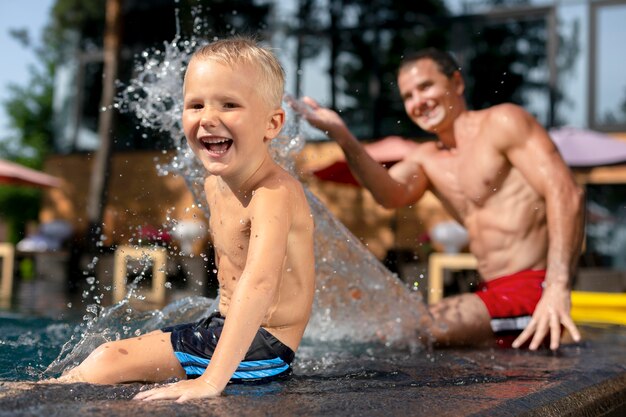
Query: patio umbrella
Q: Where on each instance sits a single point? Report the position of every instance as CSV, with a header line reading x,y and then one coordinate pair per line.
x,y
16,174
387,151
578,147
588,148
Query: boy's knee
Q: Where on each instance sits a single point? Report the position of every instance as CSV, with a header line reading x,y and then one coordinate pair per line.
x,y
108,352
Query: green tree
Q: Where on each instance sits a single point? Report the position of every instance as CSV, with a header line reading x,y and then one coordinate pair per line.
x,y
29,139
373,37
365,41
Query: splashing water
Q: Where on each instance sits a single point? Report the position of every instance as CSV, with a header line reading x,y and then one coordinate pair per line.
x,y
357,298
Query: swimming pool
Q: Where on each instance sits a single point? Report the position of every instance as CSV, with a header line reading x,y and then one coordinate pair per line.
x,y
336,378
29,344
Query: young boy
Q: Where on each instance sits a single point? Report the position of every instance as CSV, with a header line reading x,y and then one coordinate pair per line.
x,y
262,231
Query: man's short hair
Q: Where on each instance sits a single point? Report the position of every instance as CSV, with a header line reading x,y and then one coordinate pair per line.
x,y
245,50
446,63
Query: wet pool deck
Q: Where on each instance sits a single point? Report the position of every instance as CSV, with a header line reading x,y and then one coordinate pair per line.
x,y
581,380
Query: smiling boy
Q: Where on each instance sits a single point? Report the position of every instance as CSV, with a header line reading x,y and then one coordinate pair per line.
x,y
262,232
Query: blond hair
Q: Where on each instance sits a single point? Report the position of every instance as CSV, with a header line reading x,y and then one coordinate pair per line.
x,y
244,50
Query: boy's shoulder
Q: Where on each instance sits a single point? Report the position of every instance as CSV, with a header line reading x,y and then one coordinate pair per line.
x,y
280,182
279,177
279,189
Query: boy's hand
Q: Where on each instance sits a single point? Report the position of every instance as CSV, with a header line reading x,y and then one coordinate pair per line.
x,y
180,391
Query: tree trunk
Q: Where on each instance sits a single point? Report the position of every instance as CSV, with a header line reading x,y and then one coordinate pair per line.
x,y
101,166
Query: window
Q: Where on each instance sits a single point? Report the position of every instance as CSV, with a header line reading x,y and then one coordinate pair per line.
x,y
607,80
606,226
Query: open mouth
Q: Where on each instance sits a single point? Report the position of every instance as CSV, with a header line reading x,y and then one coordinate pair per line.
x,y
428,114
217,145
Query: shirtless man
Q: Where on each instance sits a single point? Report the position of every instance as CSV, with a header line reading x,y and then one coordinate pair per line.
x,y
498,173
262,231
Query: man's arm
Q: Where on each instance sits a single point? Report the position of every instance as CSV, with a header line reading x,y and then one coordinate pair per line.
x,y
254,294
531,151
403,184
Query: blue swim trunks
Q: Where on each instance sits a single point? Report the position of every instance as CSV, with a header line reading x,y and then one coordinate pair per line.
x,y
194,344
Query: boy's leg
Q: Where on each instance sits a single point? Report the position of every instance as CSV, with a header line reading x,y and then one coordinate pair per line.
x,y
144,358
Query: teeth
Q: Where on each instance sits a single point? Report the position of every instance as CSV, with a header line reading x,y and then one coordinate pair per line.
x,y
214,140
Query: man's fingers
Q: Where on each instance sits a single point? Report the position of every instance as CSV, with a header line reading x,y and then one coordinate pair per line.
x,y
568,323
521,339
555,331
540,334
310,102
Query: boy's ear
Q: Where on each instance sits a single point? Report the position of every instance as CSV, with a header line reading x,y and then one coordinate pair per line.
x,y
275,124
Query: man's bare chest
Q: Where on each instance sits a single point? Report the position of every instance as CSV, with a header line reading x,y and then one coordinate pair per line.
x,y
467,178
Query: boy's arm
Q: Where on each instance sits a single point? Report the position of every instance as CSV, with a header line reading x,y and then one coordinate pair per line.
x,y
251,300
257,286
403,184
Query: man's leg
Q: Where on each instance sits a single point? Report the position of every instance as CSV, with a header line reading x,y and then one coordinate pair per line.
x,y
144,358
461,321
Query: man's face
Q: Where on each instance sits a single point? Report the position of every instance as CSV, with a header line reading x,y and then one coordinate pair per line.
x,y
431,99
225,119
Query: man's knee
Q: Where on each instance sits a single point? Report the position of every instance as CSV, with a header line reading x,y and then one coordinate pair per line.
x,y
459,321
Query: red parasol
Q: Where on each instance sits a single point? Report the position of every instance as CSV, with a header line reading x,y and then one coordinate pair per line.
x,y
16,174
387,151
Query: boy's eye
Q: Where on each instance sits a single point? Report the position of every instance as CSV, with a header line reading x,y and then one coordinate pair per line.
x,y
230,105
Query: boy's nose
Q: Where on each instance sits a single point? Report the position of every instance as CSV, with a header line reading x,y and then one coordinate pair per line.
x,y
209,118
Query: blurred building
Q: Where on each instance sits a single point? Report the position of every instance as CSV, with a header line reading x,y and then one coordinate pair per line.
x,y
562,60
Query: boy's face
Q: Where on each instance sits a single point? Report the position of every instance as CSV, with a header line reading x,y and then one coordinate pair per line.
x,y
225,119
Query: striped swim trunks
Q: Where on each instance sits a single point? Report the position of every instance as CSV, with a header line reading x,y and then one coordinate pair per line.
x,y
194,344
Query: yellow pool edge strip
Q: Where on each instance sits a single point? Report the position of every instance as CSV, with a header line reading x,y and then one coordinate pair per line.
x,y
599,307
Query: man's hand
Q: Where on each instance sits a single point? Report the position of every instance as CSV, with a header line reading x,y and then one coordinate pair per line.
x,y
553,310
180,391
323,118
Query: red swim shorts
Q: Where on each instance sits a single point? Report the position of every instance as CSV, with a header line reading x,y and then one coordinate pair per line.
x,y
511,301
513,295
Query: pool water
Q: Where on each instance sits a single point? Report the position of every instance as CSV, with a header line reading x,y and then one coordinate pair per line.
x,y
29,344
34,348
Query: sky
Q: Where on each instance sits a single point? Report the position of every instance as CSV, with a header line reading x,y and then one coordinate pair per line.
x,y
31,15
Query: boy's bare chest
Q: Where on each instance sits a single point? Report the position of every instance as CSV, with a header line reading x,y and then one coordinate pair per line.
x,y
230,227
